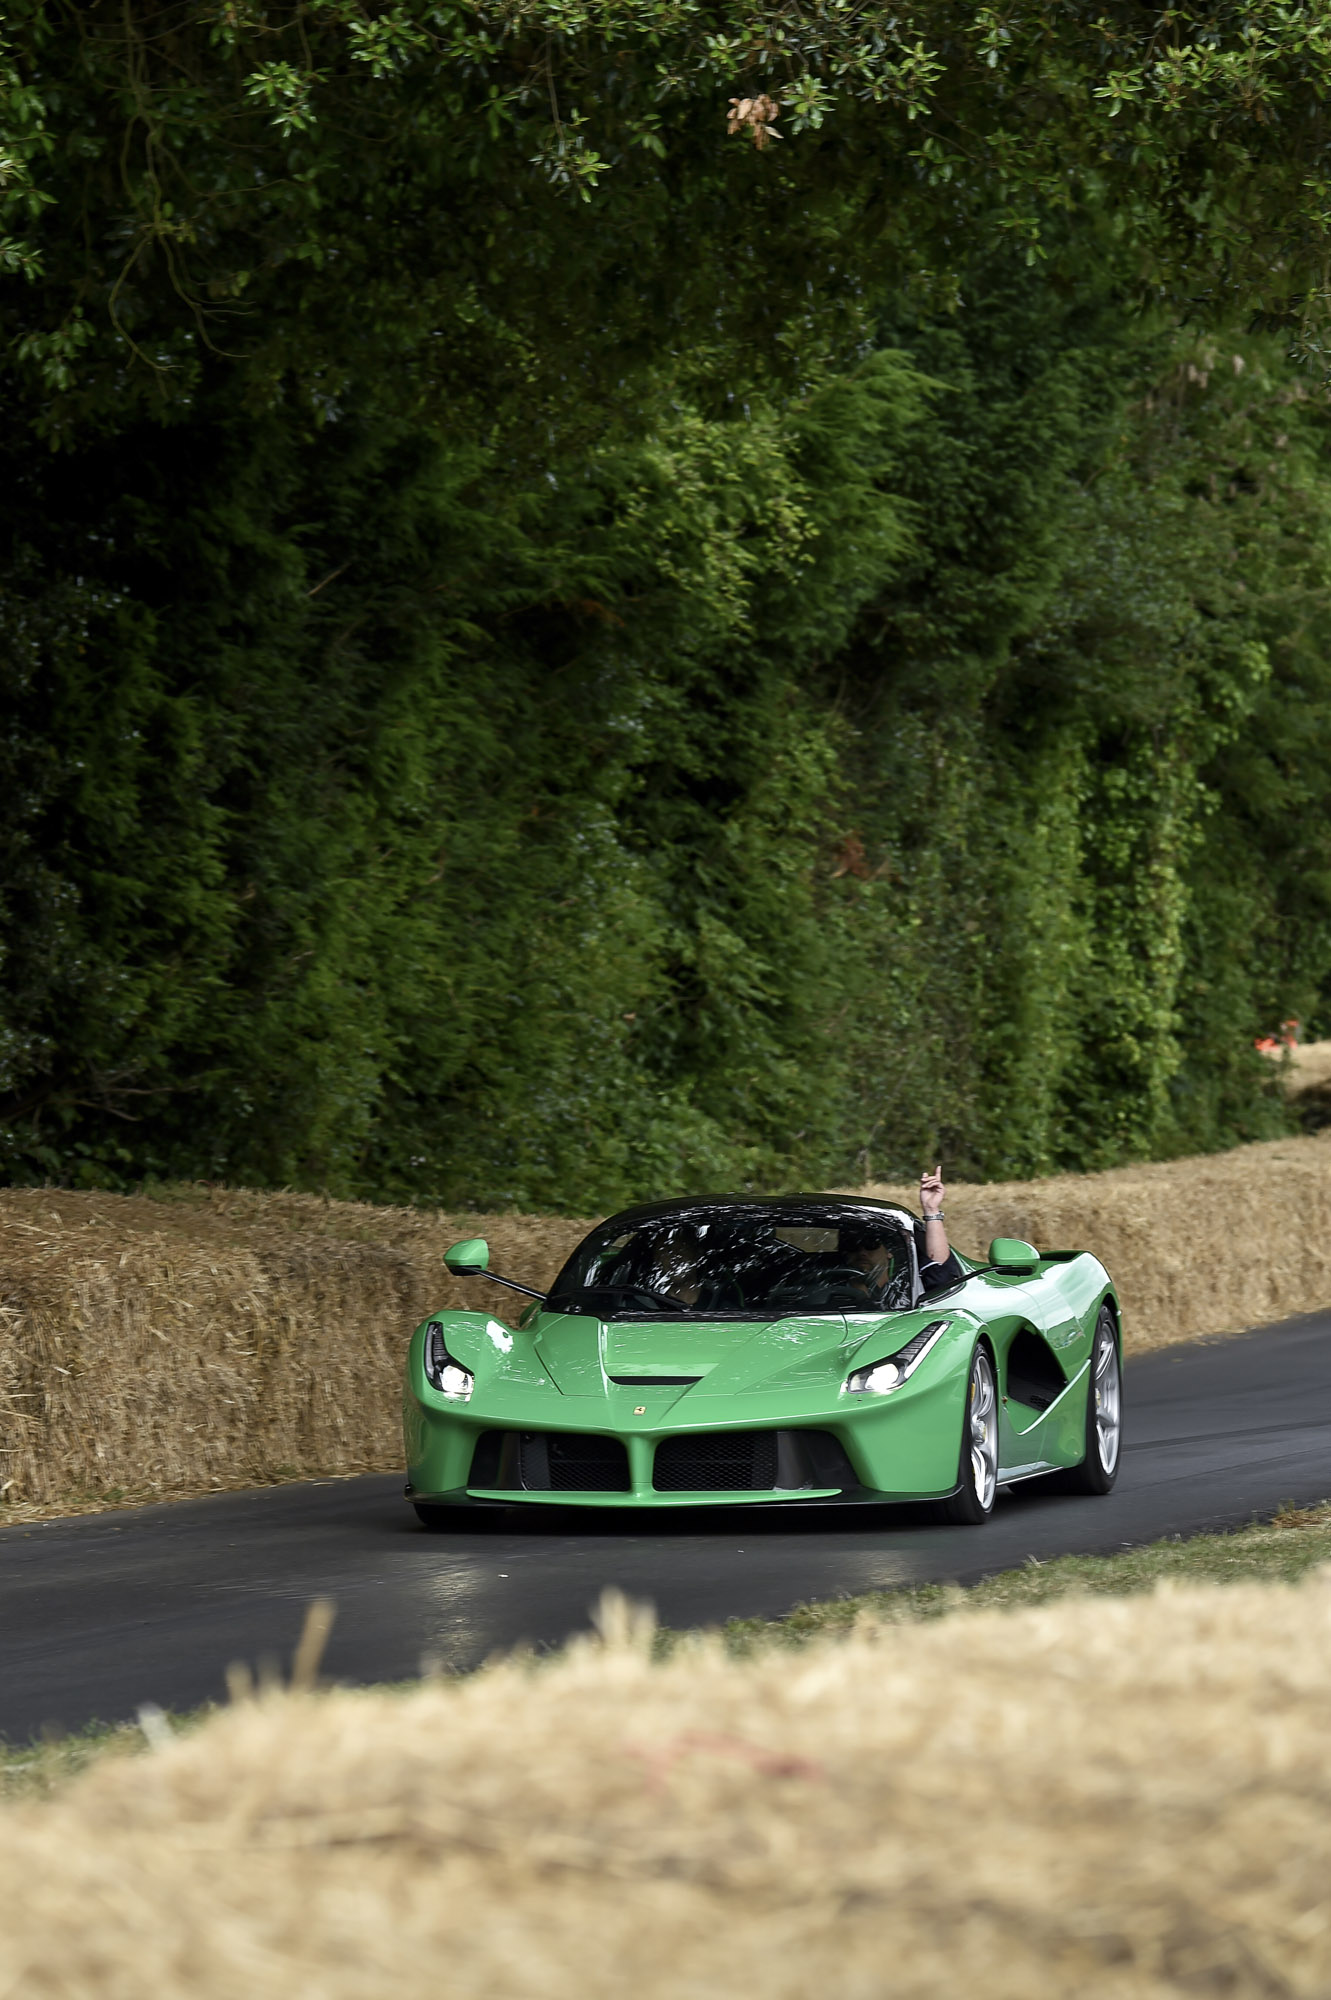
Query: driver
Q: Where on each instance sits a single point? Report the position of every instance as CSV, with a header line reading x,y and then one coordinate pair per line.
x,y
873,1256
938,1265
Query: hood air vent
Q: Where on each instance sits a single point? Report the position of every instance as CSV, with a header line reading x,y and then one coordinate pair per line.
x,y
654,1381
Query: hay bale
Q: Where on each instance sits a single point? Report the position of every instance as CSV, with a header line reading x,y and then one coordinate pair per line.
x,y
1308,1068
155,1348
1124,1798
1306,1075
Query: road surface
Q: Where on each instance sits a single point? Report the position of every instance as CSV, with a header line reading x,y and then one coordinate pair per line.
x,y
103,1612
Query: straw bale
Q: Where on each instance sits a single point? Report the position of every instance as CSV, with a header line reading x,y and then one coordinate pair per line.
x,y
159,1347
1309,1068
156,1348
1124,1798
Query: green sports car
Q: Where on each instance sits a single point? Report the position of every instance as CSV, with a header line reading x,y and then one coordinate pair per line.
x,y
798,1348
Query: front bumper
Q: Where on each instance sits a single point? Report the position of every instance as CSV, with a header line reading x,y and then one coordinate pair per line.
x,y
893,1448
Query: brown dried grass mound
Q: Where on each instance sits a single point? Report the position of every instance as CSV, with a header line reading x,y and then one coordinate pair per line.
x,y
1121,1798
154,1348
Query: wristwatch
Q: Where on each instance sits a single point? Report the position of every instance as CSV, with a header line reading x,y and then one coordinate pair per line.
x,y
935,1218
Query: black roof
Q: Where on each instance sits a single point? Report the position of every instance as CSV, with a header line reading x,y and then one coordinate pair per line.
x,y
815,1205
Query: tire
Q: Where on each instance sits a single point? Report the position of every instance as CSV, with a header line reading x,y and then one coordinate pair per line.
x,y
977,1473
433,1518
1104,1412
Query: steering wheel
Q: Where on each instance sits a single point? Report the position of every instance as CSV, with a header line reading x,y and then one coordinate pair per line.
x,y
849,1277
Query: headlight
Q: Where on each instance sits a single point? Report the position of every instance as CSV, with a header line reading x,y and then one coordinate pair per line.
x,y
881,1376
442,1372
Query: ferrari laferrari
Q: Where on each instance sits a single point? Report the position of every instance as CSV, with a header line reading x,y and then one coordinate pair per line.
x,y
736,1350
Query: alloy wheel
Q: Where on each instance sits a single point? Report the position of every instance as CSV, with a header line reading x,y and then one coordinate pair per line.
x,y
984,1430
1108,1400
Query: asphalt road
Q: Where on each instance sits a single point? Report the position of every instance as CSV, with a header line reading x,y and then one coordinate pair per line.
x,y
103,1612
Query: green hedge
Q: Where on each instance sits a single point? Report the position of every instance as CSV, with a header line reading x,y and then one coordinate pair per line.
x,y
516,699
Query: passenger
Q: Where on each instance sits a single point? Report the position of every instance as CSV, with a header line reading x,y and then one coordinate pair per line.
x,y
676,1264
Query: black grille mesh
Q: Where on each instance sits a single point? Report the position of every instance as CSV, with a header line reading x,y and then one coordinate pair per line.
x,y
549,1462
558,1462
780,1461
717,1462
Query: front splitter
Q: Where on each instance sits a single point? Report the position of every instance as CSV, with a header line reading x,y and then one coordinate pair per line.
x,y
830,1496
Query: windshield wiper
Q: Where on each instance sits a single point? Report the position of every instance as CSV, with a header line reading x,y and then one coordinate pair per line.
x,y
640,1302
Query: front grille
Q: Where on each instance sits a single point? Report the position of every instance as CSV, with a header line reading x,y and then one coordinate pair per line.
x,y
550,1462
780,1461
717,1462
752,1462
576,1464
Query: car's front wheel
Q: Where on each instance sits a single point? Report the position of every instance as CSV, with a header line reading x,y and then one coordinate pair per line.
x,y
1104,1411
973,1500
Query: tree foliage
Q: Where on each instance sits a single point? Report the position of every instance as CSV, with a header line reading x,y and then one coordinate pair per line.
x,y
552,649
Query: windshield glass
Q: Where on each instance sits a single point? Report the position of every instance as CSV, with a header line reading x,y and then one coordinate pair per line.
x,y
737,1263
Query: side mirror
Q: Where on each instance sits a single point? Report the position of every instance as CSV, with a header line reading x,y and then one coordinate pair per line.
x,y
1009,1253
472,1260
469,1259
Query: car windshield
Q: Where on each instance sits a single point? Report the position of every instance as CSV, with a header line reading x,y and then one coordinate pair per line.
x,y
737,1263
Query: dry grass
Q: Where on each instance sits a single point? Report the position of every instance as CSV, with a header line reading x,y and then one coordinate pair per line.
x,y
151,1348
1121,1798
